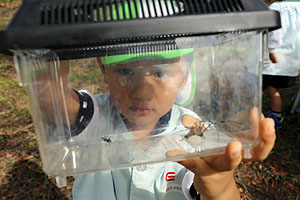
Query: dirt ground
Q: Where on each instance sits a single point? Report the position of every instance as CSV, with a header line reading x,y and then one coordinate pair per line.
x,y
22,177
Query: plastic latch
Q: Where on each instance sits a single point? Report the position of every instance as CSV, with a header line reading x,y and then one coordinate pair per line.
x,y
247,153
17,61
61,181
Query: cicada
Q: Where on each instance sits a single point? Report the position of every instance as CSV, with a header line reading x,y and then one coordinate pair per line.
x,y
198,129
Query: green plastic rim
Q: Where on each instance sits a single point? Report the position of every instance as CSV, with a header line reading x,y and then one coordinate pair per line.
x,y
124,58
192,91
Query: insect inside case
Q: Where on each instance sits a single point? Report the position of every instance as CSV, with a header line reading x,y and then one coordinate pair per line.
x,y
109,81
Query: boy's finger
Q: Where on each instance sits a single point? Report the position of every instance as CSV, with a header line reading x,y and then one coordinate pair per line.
x,y
196,165
210,165
268,137
254,119
230,159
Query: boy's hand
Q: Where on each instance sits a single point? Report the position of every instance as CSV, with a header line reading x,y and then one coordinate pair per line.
x,y
274,57
214,175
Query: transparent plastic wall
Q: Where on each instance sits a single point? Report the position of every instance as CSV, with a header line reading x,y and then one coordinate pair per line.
x,y
113,111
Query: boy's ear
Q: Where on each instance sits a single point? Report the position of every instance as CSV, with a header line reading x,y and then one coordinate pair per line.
x,y
183,84
187,77
102,68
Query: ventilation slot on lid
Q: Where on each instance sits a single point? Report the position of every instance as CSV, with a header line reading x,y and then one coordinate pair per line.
x,y
103,10
68,24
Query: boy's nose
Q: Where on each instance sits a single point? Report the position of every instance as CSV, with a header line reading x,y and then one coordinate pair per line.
x,y
142,88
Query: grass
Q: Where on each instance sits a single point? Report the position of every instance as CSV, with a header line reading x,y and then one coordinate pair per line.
x,y
21,174
7,9
12,109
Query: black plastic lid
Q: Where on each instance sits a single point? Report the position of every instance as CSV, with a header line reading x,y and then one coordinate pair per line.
x,y
67,24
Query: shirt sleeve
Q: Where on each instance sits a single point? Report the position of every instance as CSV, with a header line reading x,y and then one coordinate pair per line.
x,y
275,37
187,183
274,40
85,113
88,122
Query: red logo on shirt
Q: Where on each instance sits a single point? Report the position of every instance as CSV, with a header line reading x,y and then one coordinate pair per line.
x,y
170,176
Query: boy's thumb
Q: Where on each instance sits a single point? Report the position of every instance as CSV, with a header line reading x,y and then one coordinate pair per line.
x,y
231,158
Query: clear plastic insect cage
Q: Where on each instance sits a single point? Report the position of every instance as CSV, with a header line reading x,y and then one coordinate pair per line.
x,y
129,105
113,102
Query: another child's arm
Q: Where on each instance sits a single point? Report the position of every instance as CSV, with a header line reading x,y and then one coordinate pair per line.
x,y
214,175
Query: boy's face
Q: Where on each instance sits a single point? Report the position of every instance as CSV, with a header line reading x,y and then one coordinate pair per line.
x,y
145,90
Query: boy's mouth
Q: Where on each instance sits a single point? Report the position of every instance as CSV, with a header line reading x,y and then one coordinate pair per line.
x,y
140,111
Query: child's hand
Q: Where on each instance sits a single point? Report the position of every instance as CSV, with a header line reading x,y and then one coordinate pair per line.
x,y
274,57
214,175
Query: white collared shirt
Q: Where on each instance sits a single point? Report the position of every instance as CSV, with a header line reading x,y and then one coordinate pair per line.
x,y
153,181
285,41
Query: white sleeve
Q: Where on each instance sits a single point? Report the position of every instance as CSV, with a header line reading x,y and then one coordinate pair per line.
x,y
187,183
274,40
92,128
275,37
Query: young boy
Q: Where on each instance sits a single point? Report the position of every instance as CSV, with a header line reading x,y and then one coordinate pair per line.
x,y
142,95
284,46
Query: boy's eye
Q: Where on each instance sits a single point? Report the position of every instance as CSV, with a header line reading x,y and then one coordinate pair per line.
x,y
125,71
160,74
